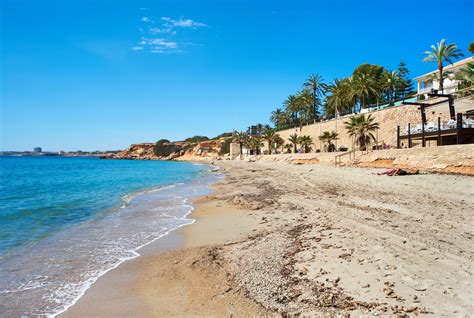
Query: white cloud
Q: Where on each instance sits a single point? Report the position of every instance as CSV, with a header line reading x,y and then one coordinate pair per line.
x,y
162,31
183,23
162,37
159,43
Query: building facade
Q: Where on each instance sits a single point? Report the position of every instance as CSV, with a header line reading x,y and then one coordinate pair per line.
x,y
429,83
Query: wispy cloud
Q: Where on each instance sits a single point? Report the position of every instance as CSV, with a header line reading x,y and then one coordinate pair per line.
x,y
183,23
166,28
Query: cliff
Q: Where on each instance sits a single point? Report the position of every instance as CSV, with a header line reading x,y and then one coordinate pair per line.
x,y
178,150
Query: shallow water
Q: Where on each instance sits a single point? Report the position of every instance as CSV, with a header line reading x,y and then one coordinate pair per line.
x,y
70,220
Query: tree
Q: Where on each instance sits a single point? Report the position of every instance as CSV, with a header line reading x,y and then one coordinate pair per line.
x,y
375,73
305,106
340,98
278,117
404,84
293,107
316,85
328,137
269,135
240,138
278,142
440,54
294,140
364,88
306,142
466,75
471,48
361,128
392,79
255,143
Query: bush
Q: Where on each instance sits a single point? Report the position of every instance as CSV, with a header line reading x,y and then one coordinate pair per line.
x,y
225,148
164,148
196,139
227,134
343,148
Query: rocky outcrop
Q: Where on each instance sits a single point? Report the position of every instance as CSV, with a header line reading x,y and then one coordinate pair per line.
x,y
178,150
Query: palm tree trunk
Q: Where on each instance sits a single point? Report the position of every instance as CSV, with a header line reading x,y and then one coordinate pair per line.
x,y
441,79
241,148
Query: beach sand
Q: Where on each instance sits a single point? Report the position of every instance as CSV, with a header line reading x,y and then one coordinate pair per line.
x,y
279,238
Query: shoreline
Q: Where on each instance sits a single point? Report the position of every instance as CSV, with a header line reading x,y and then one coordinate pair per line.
x,y
277,238
186,238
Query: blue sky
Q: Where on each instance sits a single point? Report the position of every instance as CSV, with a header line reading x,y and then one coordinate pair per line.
x,y
104,74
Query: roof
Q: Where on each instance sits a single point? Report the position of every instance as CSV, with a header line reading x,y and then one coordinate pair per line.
x,y
449,67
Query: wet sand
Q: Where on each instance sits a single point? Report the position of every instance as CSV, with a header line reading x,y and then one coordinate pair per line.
x,y
279,238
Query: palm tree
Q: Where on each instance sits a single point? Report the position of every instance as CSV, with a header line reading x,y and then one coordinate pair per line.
x,y
441,53
240,138
288,147
269,134
328,137
361,128
316,85
305,105
294,139
340,98
306,142
466,74
363,87
391,77
278,117
292,106
255,143
277,142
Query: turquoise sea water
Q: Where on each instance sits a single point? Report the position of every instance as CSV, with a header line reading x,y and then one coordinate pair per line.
x,y
65,221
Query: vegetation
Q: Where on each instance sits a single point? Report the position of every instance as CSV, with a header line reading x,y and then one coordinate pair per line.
x,y
471,48
294,140
327,137
440,54
269,135
361,128
225,148
164,148
196,139
240,138
305,142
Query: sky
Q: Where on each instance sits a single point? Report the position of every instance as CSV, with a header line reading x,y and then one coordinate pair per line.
x,y
101,75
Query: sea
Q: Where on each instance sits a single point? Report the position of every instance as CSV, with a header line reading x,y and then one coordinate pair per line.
x,y
66,221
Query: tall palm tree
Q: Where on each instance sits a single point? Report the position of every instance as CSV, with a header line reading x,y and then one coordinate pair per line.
x,y
240,138
306,109
294,140
269,134
391,78
316,85
340,96
361,128
363,88
441,53
292,106
277,142
328,137
278,117
306,142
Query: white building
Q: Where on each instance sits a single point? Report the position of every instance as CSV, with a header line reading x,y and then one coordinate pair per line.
x,y
429,81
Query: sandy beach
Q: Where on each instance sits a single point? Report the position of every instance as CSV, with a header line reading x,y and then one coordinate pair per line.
x,y
278,239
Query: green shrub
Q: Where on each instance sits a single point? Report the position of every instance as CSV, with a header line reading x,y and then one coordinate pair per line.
x,y
196,139
164,148
225,148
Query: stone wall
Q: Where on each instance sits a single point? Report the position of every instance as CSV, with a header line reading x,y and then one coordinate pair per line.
x,y
447,159
388,120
